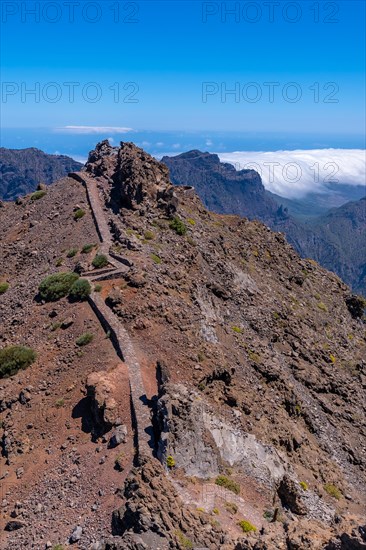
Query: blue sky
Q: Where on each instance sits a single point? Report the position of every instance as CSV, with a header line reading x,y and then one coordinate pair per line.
x,y
176,60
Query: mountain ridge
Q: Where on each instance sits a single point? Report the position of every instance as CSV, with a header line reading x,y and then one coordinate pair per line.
x,y
215,183
21,170
251,361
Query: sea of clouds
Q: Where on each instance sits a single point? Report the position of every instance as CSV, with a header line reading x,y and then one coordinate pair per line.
x,y
294,174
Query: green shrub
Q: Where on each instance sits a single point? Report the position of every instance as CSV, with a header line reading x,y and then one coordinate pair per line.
x,y
149,235
60,403
246,526
87,248
59,262
58,547
333,491
3,287
72,252
170,462
14,359
98,288
191,221
304,485
79,213
84,339
183,541
156,259
238,330
322,306
216,511
80,290
100,261
37,195
57,286
229,484
178,226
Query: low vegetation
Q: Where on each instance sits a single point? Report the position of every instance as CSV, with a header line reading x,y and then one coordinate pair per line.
x,y
98,288
57,285
15,358
183,540
228,483
333,491
72,252
80,290
100,261
87,248
304,485
170,462
84,339
178,226
38,195
79,213
156,259
246,526
3,287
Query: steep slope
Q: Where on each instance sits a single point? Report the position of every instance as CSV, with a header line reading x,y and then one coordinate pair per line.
x,y
21,170
245,366
321,238
344,231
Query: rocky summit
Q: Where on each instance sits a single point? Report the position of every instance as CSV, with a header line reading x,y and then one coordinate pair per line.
x,y
172,378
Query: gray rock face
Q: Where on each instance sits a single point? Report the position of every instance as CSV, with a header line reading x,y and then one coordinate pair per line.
x,y
201,442
119,436
76,534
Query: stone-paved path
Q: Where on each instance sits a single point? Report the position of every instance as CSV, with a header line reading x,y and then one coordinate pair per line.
x,y
120,336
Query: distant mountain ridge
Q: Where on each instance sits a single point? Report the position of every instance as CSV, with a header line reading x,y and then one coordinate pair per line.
x,y
221,187
21,170
335,239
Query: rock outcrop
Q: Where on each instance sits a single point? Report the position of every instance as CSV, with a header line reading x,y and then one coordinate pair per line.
x,y
137,180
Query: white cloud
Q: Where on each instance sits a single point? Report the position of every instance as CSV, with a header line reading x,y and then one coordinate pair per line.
x,y
78,158
93,130
111,140
209,142
293,174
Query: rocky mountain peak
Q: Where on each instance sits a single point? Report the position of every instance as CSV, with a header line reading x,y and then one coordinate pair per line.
x,y
135,177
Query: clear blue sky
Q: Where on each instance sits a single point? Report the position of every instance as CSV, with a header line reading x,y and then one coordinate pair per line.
x,y
172,49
